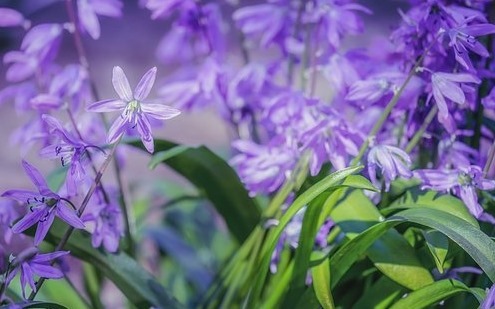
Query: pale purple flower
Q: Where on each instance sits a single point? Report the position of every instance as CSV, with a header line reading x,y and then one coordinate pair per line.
x,y
462,182
489,302
44,205
88,11
70,150
450,86
31,263
163,8
393,162
107,219
135,112
336,19
7,216
463,38
12,18
269,22
38,48
67,85
263,168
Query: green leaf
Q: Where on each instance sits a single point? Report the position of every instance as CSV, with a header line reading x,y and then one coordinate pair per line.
x,y
161,156
431,294
432,199
37,304
331,181
321,285
476,243
391,254
438,244
134,281
381,295
215,179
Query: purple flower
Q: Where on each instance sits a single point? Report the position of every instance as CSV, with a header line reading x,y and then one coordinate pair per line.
x,y
31,263
12,18
69,149
108,222
89,9
489,302
135,112
335,19
392,161
464,37
7,216
448,86
263,168
463,182
43,205
38,48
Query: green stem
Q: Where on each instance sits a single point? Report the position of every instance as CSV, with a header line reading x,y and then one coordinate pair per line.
x,y
419,134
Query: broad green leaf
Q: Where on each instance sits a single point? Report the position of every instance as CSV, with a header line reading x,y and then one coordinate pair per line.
x,y
321,285
135,282
432,199
391,254
438,244
431,294
56,178
305,246
381,295
356,248
331,181
476,243
215,179
161,156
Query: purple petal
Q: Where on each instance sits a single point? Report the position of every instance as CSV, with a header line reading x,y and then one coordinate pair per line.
x,y
470,198
144,129
106,106
29,220
47,257
110,8
159,111
117,129
145,84
27,276
43,228
37,179
20,195
69,216
479,29
46,271
121,84
89,20
45,101
10,18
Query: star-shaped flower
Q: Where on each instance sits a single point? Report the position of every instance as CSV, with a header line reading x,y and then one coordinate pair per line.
x,y
43,205
135,112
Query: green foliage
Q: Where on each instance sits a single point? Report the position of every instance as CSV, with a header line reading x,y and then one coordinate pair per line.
x,y
215,179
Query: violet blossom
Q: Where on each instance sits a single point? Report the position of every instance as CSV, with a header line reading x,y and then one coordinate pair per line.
x,y
31,263
44,205
463,182
393,162
88,11
448,86
135,112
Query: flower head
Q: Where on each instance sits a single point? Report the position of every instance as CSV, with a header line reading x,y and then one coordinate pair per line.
x,y
31,263
392,161
135,112
44,205
463,182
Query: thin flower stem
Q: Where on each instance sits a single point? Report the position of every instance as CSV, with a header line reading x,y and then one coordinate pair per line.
x,y
419,134
84,62
89,194
388,109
